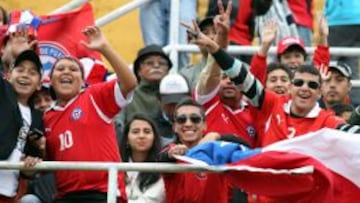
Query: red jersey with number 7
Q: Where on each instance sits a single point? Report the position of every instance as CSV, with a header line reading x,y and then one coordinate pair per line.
x,y
275,122
82,130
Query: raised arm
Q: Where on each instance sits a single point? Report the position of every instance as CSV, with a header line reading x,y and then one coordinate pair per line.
x,y
322,53
237,72
97,41
210,77
258,63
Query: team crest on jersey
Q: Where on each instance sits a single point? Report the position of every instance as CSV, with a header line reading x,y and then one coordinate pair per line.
x,y
76,114
251,131
49,52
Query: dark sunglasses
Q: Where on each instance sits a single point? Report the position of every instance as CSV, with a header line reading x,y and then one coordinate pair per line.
x,y
194,118
311,84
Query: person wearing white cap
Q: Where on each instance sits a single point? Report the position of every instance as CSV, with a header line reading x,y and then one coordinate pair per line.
x,y
173,88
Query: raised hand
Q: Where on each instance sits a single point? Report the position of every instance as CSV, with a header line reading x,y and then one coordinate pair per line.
x,y
96,40
222,20
323,26
324,72
268,34
323,31
199,38
20,41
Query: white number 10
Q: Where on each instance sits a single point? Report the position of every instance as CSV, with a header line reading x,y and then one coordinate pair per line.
x,y
66,140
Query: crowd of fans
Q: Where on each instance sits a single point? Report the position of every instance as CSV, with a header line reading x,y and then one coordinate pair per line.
x,y
150,115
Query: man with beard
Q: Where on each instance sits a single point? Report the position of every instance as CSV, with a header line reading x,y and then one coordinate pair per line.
x,y
150,66
226,112
336,88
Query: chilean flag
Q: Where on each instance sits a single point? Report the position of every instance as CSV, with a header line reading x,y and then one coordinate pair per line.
x,y
322,166
59,35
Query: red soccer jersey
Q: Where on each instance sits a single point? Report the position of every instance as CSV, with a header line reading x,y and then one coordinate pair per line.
x,y
274,122
82,130
196,187
222,119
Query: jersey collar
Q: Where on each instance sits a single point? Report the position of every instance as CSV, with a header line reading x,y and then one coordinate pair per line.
x,y
315,111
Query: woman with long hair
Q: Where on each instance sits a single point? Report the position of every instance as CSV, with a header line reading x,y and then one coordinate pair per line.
x,y
141,143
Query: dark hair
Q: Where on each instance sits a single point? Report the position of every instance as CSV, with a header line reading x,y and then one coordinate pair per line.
x,y
149,178
341,108
309,69
188,101
278,66
4,15
69,58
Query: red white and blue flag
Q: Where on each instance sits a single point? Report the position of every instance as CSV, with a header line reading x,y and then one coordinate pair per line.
x,y
322,166
59,35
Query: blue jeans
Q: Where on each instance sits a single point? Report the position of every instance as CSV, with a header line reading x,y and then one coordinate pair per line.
x,y
155,19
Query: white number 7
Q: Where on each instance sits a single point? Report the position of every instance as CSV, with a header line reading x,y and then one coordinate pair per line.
x,y
292,132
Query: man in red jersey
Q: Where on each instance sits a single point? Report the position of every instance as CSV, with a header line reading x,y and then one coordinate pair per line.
x,y
189,125
79,127
226,111
279,117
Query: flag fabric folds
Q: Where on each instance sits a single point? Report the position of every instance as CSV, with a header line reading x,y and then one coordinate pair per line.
x,y
322,166
60,34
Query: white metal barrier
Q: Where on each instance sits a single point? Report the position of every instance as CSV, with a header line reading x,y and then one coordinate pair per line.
x,y
250,50
173,48
112,169
72,5
119,12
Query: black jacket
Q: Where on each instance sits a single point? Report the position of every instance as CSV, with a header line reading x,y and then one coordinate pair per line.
x,y
11,122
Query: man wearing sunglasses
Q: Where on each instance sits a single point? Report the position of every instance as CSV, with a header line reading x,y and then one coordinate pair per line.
x,y
278,118
189,125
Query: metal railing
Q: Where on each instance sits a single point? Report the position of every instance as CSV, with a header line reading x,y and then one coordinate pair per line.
x,y
112,169
69,6
174,48
115,14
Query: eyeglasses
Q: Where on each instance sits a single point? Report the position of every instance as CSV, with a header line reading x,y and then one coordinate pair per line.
x,y
311,84
194,118
152,63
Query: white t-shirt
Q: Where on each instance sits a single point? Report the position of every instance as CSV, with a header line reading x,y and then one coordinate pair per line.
x,y
10,178
153,194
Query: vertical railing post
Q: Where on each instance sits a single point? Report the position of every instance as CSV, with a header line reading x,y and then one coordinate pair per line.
x,y
174,29
112,184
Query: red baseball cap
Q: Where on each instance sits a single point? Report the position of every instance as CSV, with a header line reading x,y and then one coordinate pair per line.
x,y
287,42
